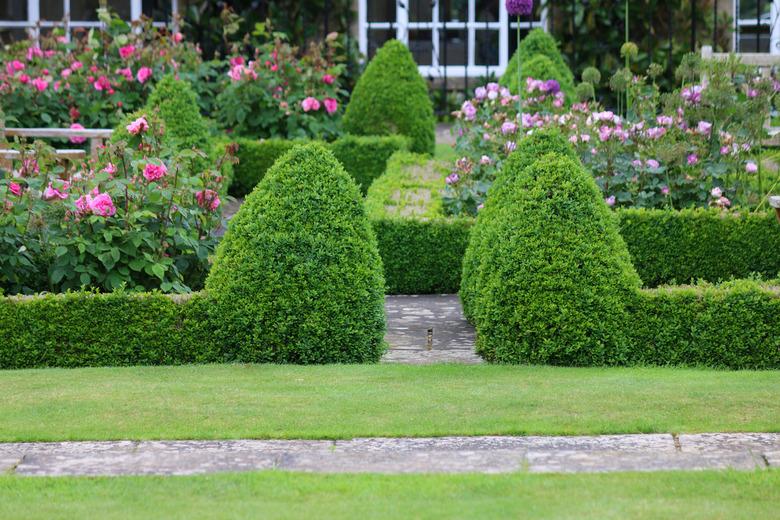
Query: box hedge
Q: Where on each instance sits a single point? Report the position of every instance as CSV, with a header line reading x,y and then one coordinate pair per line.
x,y
556,274
363,157
297,277
392,98
539,43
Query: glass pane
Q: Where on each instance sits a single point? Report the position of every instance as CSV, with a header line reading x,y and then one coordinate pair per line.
x,y
421,45
751,8
52,10
453,47
486,51
15,10
753,41
486,10
87,9
377,38
454,10
420,10
380,10
157,10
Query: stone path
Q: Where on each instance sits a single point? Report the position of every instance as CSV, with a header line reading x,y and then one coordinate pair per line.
x,y
428,329
742,451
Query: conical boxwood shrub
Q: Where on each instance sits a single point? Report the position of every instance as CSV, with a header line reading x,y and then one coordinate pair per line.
x,y
392,98
297,277
529,149
557,276
536,43
177,105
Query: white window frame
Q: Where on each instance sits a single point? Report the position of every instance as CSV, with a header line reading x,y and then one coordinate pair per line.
x,y
772,24
506,29
34,22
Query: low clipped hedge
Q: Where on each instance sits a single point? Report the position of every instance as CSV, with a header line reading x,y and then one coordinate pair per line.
x,y
734,325
87,329
363,157
297,277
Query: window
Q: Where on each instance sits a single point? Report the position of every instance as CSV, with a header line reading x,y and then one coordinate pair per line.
x,y
756,28
455,38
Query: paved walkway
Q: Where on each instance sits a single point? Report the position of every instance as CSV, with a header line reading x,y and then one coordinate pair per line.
x,y
745,451
428,329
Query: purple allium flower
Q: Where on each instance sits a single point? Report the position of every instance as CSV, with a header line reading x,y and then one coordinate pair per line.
x,y
552,86
519,7
692,159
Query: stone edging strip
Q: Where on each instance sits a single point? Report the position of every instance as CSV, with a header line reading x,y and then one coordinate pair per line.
x,y
651,452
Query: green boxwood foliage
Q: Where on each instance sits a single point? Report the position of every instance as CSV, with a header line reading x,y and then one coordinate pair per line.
x,y
557,274
684,246
177,105
392,98
733,325
365,157
536,43
529,150
87,329
297,277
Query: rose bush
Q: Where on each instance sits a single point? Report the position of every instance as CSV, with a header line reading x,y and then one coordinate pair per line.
x,y
695,146
137,217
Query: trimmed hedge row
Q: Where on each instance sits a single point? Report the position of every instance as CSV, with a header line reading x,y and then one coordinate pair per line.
x,y
363,157
87,329
733,325
665,247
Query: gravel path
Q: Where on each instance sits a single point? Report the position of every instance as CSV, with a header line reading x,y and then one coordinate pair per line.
x,y
654,452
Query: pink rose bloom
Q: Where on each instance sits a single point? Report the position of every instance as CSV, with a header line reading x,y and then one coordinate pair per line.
x,y
40,84
66,73
126,51
469,111
127,72
24,79
102,205
704,127
34,52
138,126
724,150
77,140
310,103
331,105
652,163
14,188
49,53
14,66
144,73
76,65
665,190
82,204
508,128
236,60
236,72
178,37
54,193
716,192
153,172
485,160
610,200
692,159
208,199
102,83
110,169
328,79
751,167
723,202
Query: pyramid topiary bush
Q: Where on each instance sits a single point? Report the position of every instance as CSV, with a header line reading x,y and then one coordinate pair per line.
x,y
177,105
392,98
297,277
538,43
529,149
557,275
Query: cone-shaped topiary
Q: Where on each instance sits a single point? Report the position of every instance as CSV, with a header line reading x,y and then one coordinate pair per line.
x,y
529,149
557,274
298,277
538,42
541,67
177,105
392,98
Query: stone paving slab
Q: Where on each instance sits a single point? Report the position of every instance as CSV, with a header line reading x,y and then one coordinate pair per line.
x,y
489,454
424,329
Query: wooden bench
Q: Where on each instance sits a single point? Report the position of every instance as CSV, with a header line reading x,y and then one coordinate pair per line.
x,y
95,137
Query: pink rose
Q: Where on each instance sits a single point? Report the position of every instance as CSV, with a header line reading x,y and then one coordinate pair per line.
x,y
24,79
76,65
40,84
138,126
208,199
110,169
751,167
14,66
331,105
126,51
144,73
328,79
14,188
56,193
82,204
102,205
310,103
178,37
77,140
236,60
153,172
127,72
34,52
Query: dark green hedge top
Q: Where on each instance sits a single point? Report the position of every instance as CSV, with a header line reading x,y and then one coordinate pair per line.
x,y
392,98
297,277
557,274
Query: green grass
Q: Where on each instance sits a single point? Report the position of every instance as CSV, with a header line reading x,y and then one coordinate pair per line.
x,y
289,495
343,401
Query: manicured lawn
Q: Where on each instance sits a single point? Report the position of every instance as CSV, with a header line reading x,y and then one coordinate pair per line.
x,y
290,495
275,401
